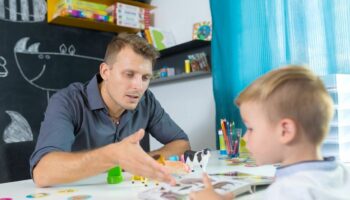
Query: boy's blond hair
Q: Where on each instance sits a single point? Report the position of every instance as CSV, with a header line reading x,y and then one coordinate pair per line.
x,y
296,93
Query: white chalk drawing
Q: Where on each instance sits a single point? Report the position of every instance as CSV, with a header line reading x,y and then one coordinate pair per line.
x,y
18,130
71,49
3,70
9,11
45,70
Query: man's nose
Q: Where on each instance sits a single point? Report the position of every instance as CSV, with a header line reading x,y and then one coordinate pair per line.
x,y
138,83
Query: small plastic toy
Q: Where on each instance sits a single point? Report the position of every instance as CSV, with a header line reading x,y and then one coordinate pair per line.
x,y
197,158
143,180
160,159
115,175
174,158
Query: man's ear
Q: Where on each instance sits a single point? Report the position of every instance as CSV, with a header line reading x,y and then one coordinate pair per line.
x,y
288,131
104,70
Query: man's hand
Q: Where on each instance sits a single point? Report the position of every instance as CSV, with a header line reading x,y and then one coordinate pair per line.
x,y
130,156
208,192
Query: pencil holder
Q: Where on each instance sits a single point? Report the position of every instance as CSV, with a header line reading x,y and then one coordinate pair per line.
x,y
242,148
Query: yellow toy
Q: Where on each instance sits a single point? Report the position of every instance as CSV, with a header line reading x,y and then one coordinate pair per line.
x,y
160,159
135,178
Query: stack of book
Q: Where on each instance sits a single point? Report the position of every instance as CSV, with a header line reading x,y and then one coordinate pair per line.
x,y
83,9
130,16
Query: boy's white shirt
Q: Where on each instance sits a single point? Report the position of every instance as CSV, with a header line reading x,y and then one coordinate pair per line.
x,y
321,180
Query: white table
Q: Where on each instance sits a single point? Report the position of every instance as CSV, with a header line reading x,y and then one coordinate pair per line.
x,y
98,188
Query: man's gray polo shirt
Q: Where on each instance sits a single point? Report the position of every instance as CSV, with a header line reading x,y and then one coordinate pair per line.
x,y
77,119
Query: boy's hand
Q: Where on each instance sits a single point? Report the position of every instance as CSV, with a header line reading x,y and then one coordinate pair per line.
x,y
208,192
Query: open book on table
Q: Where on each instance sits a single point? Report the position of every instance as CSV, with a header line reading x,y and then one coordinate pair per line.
x,y
221,183
253,180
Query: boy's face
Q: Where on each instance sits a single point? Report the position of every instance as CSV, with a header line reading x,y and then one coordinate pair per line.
x,y
261,136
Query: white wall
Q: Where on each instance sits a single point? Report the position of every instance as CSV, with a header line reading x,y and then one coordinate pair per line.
x,y
179,16
190,103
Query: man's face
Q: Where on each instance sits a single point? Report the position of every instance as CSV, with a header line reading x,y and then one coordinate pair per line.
x,y
126,79
261,136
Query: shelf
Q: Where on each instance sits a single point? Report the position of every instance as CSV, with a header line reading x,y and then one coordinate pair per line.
x,y
174,57
179,77
90,24
194,44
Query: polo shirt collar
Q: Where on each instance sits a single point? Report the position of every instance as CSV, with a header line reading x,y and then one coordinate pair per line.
x,y
93,93
328,164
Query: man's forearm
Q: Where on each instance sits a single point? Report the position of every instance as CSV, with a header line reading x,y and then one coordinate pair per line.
x,y
176,147
63,167
60,167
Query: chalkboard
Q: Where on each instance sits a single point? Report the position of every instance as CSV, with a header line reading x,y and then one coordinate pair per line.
x,y
36,60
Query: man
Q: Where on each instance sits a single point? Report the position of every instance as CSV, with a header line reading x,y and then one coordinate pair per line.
x,y
90,128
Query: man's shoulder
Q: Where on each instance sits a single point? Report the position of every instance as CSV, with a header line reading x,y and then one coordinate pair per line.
x,y
148,101
148,94
73,92
148,98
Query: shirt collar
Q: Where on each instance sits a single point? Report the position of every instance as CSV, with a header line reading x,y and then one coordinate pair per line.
x,y
328,163
93,93
95,98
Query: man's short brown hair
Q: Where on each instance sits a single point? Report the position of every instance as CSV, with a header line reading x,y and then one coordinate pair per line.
x,y
296,93
138,44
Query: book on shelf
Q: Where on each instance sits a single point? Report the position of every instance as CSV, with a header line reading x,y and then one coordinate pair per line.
x,y
148,36
82,9
236,182
129,15
199,62
161,39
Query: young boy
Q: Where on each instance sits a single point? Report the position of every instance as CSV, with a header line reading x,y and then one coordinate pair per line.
x,y
287,114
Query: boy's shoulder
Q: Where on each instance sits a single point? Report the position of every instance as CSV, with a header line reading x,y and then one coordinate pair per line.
x,y
324,182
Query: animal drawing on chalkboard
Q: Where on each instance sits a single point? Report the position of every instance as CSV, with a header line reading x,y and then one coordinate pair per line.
x,y
28,11
18,130
51,71
3,71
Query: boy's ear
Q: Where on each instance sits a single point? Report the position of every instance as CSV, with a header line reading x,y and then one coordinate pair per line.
x,y
288,131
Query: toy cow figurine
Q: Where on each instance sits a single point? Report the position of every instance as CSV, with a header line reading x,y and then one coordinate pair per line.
x,y
197,158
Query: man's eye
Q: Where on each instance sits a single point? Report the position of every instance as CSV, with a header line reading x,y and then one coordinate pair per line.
x,y
129,75
145,78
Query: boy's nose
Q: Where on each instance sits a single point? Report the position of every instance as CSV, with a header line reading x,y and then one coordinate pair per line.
x,y
245,137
